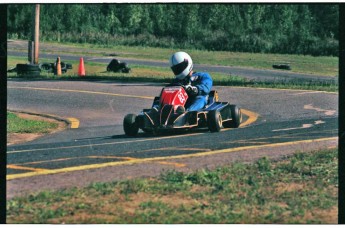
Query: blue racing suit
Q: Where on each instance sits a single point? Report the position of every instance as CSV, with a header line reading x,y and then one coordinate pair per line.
x,y
203,82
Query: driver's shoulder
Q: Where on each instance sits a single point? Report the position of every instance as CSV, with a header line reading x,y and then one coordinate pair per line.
x,y
201,74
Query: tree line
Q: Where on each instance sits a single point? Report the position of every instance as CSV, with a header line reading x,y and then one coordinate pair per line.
x,y
266,28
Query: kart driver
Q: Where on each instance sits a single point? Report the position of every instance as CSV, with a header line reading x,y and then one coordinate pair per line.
x,y
197,84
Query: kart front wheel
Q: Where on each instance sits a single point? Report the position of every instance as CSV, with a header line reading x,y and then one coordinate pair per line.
x,y
214,121
129,125
236,117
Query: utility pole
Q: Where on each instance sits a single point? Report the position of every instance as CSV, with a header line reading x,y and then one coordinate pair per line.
x,y
341,152
34,42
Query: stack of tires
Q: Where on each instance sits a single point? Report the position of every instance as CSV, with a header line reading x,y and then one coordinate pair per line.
x,y
28,70
51,67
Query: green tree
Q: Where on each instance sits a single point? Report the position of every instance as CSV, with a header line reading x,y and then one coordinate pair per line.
x,y
275,28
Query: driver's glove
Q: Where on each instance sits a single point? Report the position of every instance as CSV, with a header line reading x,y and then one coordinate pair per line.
x,y
191,90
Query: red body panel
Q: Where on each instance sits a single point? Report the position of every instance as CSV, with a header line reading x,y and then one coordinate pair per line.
x,y
175,96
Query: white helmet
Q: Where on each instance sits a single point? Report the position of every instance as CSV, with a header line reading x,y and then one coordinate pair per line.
x,y
181,64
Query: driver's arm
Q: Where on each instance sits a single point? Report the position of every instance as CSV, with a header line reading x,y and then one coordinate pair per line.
x,y
205,85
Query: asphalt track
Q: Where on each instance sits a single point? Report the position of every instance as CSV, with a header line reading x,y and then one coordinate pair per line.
x,y
96,149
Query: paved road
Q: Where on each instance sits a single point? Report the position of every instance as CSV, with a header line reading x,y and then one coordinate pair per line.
x,y
99,151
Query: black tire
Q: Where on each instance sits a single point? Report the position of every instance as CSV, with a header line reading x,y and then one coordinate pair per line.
x,y
14,69
28,67
28,70
236,116
29,73
282,66
129,125
47,67
69,66
214,121
63,67
126,70
147,130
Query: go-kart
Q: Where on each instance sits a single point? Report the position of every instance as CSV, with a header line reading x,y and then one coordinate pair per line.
x,y
168,113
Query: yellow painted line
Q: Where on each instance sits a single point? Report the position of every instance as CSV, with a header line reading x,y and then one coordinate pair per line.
x,y
256,143
110,164
80,91
25,168
191,149
74,122
74,158
46,161
113,157
172,163
175,148
252,117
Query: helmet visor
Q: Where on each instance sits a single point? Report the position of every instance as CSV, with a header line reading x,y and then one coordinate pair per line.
x,y
179,68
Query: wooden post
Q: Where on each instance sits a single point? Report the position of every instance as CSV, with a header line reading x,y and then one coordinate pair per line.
x,y
341,139
31,51
37,32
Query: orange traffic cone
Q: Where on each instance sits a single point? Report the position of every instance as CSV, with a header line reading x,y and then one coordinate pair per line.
x,y
81,71
58,66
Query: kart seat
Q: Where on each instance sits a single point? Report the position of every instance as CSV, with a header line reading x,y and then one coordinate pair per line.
x,y
212,97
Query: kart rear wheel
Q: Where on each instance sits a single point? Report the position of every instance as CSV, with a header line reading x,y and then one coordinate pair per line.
x,y
146,130
236,117
214,121
129,125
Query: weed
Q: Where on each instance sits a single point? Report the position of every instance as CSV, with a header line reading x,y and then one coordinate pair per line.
x,y
132,186
172,176
264,165
102,188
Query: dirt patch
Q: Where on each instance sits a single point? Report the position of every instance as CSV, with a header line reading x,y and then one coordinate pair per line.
x,y
291,187
16,138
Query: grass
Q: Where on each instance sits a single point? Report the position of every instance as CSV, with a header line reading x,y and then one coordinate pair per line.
x,y
327,66
16,124
323,65
300,189
139,73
